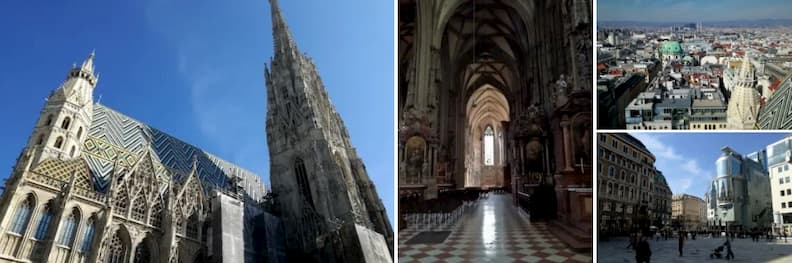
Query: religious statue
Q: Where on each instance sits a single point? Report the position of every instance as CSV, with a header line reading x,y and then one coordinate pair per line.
x,y
582,9
414,159
561,92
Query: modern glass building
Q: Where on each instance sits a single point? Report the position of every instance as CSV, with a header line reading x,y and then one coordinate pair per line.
x,y
738,198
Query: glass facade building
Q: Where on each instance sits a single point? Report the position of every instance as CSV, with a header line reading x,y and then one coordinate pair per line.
x,y
738,198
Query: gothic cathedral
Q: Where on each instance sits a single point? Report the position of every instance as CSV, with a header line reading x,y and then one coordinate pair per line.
x,y
320,185
94,185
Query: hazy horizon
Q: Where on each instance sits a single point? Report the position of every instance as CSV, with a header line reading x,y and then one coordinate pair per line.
x,y
671,11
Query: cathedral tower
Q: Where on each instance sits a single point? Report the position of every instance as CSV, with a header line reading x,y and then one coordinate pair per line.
x,y
326,199
64,121
744,103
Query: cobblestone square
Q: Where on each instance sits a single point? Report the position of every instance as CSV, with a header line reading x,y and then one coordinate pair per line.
x,y
697,251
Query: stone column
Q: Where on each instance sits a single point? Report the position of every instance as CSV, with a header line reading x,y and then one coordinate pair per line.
x,y
567,147
427,173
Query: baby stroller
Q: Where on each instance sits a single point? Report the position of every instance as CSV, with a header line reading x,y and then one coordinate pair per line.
x,y
717,252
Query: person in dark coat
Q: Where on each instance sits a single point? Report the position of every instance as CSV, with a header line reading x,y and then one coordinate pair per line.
x,y
681,241
642,251
729,252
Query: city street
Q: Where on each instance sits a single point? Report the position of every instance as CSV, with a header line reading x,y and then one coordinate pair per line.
x,y
697,251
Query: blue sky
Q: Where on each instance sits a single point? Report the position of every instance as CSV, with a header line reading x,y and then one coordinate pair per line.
x,y
194,69
688,159
691,10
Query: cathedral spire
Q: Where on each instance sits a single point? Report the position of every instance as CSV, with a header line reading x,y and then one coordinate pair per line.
x,y
281,35
745,67
87,65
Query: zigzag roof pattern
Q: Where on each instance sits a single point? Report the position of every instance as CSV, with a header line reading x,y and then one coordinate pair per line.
x,y
118,141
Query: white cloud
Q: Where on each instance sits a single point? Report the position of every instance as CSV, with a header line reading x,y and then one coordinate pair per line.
x,y
681,172
693,168
680,185
657,147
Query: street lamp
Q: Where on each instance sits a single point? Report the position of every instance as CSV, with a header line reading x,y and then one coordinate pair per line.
x,y
727,224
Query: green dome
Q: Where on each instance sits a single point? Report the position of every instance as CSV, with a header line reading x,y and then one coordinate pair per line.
x,y
671,48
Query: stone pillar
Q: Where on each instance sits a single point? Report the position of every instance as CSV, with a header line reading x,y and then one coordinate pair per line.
x,y
427,173
565,138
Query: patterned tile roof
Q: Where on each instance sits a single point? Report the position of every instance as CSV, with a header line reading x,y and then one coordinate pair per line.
x,y
117,138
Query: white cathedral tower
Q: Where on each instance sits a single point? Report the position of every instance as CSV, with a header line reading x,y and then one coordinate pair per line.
x,y
744,102
64,121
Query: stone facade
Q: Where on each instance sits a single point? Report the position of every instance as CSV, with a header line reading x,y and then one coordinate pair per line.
x,y
661,203
329,206
93,185
627,182
689,212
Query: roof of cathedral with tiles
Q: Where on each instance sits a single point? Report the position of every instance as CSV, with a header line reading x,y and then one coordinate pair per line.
x,y
116,142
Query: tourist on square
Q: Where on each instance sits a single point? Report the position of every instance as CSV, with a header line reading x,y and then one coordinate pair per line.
x,y
681,241
642,251
729,253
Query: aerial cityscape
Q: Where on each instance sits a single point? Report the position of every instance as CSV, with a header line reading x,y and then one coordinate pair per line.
x,y
694,75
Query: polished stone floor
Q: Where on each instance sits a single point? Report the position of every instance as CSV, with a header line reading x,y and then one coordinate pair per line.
x,y
698,251
494,231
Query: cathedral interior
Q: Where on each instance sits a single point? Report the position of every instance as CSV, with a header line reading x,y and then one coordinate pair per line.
x,y
494,103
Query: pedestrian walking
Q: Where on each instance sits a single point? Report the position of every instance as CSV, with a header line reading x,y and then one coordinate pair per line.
x,y
729,253
631,242
642,252
681,241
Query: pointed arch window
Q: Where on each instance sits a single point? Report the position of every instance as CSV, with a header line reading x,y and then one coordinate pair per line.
x,y
139,209
44,222
302,180
59,142
70,228
192,226
88,235
66,122
121,202
79,133
49,120
40,139
22,215
116,250
156,216
179,224
489,146
71,152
